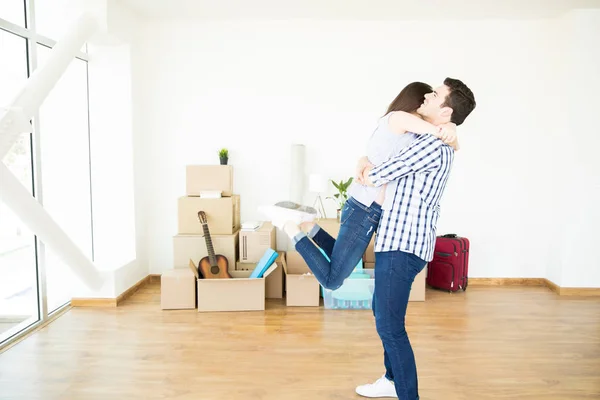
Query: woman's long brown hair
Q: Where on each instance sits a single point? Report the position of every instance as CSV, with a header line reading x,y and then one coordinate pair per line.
x,y
410,98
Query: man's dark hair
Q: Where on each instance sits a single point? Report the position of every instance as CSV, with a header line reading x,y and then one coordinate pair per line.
x,y
460,100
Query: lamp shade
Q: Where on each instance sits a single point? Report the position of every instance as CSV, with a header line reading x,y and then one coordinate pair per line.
x,y
316,183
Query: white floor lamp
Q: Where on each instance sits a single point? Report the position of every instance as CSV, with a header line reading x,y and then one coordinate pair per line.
x,y
316,184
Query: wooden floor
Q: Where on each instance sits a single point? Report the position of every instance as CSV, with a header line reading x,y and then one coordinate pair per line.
x,y
487,343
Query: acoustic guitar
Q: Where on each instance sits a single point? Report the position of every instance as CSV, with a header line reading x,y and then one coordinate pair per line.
x,y
213,266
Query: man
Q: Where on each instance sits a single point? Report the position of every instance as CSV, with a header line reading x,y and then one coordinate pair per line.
x,y
405,241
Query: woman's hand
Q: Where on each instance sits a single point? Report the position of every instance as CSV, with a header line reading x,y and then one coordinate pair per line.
x,y
364,165
447,133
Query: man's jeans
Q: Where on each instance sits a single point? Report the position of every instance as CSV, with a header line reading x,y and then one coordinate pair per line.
x,y
358,223
395,272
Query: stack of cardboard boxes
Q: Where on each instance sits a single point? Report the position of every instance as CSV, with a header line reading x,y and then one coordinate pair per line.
x,y
222,214
209,188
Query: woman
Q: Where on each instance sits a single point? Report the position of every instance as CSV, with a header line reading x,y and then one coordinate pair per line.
x,y
362,211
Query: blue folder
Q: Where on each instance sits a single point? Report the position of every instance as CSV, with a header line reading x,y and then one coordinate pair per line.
x,y
265,262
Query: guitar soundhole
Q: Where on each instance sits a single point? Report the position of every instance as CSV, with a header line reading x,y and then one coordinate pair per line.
x,y
214,270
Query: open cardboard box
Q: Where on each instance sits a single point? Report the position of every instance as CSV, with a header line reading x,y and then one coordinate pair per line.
x,y
301,289
274,282
240,293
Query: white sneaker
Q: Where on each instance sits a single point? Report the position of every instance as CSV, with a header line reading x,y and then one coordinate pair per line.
x,y
282,212
382,387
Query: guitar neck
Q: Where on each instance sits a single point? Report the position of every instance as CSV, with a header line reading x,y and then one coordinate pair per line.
x,y
209,245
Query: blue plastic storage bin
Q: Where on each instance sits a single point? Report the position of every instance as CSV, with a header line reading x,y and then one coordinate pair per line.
x,y
356,293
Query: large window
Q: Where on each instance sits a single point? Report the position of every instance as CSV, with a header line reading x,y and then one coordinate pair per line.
x,y
34,281
18,272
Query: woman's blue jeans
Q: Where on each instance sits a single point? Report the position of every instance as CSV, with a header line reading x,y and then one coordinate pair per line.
x,y
358,223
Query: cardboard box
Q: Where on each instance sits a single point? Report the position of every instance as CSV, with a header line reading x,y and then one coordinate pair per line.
x,y
253,244
301,289
331,225
178,289
417,292
194,247
240,266
274,284
240,293
222,215
208,177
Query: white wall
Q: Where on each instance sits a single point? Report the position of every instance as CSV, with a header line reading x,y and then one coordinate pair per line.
x,y
578,237
258,86
111,138
112,148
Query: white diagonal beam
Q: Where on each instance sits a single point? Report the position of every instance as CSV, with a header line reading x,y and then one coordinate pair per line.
x,y
15,121
42,81
37,219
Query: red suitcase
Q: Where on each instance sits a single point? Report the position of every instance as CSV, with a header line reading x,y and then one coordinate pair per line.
x,y
449,268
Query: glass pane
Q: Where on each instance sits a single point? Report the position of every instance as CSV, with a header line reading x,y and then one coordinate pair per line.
x,y
18,274
65,161
13,11
13,66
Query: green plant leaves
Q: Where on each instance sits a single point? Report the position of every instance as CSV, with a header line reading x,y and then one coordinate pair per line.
x,y
342,194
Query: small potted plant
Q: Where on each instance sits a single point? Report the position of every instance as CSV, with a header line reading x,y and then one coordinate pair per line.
x,y
342,195
223,156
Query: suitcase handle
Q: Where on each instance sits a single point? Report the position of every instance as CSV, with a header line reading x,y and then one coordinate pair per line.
x,y
450,235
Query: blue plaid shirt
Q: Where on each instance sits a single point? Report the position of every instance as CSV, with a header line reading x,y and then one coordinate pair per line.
x,y
416,180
